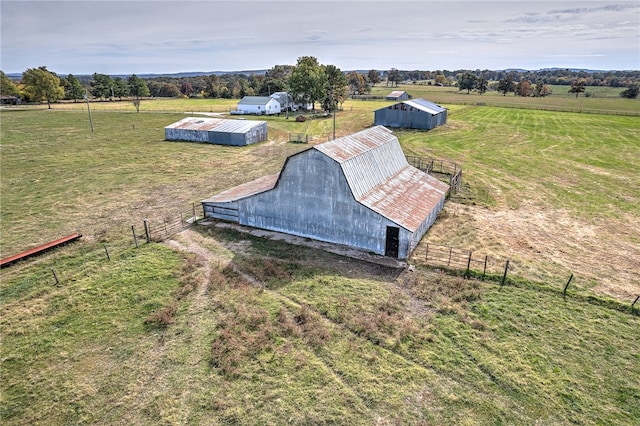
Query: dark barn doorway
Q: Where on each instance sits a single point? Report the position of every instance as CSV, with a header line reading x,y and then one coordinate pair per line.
x,y
393,241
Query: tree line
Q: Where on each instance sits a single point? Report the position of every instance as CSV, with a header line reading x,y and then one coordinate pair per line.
x,y
308,82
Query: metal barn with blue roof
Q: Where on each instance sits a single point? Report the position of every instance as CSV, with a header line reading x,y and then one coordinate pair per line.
x,y
411,114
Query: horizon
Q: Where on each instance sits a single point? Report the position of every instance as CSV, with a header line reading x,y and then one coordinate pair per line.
x,y
168,37
261,71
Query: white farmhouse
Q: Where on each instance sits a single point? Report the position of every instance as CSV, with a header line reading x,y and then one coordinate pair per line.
x,y
260,105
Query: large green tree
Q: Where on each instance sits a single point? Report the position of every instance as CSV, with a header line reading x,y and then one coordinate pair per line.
x,y
41,84
467,81
374,77
631,92
577,86
336,87
276,80
138,88
308,81
120,88
101,86
393,76
73,89
541,89
506,84
357,83
7,87
482,85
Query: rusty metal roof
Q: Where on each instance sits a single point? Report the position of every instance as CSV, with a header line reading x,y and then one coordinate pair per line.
x,y
215,124
396,94
407,198
348,147
257,186
378,175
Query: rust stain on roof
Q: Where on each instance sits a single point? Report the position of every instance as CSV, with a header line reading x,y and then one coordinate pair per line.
x,y
215,124
406,198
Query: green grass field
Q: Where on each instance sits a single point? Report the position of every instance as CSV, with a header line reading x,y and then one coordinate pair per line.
x,y
245,330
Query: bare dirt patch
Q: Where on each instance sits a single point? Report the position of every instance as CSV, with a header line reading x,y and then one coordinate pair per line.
x,y
548,245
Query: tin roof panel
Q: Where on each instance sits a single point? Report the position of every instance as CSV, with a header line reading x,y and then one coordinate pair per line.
x,y
244,190
406,198
215,124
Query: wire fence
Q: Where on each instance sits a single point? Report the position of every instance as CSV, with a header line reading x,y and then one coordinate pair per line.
x,y
470,264
160,230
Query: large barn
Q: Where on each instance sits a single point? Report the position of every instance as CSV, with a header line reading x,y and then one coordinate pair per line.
x,y
357,190
412,114
219,131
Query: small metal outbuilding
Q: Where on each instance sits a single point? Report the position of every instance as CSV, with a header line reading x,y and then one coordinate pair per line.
x,y
412,114
220,131
398,95
357,190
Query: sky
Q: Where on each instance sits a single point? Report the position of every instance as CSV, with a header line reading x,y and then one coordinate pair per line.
x,y
139,37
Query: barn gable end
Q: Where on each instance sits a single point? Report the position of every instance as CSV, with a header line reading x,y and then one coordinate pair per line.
x,y
411,114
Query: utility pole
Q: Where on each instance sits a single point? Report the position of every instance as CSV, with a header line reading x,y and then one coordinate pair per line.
x,y
86,96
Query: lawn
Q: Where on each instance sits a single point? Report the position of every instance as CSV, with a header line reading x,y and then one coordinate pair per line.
x,y
219,327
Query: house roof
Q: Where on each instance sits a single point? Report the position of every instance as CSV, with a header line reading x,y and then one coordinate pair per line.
x,y
377,173
215,124
255,100
396,94
283,97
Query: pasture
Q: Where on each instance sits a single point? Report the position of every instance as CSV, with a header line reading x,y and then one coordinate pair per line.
x,y
218,327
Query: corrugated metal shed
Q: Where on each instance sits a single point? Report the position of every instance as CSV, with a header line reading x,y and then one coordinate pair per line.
x,y
398,95
217,130
357,190
411,114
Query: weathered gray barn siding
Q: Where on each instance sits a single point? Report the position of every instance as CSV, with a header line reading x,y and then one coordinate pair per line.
x,y
217,131
413,114
348,191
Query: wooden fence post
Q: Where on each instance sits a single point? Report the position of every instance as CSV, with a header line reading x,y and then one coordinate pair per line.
x,y
634,302
426,254
146,230
449,261
55,276
135,238
466,274
107,251
484,272
504,277
564,292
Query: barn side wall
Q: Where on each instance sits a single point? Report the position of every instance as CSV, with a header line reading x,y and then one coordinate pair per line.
x,y
312,199
186,135
426,224
415,119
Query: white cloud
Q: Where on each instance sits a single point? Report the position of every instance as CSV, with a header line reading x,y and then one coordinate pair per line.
x,y
171,36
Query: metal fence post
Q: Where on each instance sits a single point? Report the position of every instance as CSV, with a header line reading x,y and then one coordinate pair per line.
x,y
504,277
